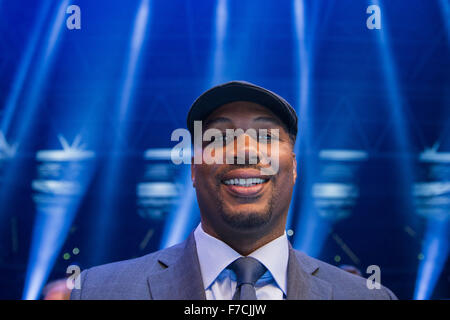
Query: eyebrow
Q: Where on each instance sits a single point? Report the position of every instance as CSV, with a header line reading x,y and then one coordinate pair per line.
x,y
258,119
269,119
216,121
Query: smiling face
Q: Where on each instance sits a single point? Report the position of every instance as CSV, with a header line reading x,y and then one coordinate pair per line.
x,y
237,199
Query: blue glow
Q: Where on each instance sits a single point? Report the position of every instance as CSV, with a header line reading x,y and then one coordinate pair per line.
x,y
7,151
58,195
343,155
445,9
397,103
38,82
105,219
435,252
137,40
302,66
184,217
49,232
158,154
310,229
432,200
221,28
24,68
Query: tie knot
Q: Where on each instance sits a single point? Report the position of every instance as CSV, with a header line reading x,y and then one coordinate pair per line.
x,y
247,270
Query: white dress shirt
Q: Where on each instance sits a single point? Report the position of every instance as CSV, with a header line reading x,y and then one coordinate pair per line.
x,y
220,283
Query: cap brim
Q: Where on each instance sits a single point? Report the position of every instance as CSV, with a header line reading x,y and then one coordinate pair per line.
x,y
241,91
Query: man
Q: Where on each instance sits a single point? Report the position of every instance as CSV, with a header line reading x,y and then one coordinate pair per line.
x,y
240,249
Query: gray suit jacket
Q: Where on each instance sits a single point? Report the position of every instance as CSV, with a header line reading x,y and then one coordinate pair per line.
x,y
174,274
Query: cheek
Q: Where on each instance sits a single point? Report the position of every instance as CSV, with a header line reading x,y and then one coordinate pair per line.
x,y
204,176
286,162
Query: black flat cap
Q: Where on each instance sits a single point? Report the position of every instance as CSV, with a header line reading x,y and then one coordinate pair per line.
x,y
241,91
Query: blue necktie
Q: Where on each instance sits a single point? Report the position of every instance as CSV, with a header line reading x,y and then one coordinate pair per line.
x,y
248,270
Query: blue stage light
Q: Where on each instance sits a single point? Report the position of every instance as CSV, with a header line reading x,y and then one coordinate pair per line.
x,y
123,111
24,68
159,190
184,216
432,202
397,102
218,61
435,252
63,176
445,9
32,96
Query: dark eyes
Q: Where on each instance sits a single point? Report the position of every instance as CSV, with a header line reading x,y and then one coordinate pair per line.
x,y
262,138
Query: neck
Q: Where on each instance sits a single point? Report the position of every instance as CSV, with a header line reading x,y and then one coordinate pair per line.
x,y
244,242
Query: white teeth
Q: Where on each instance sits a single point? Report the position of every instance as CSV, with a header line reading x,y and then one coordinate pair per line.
x,y
244,182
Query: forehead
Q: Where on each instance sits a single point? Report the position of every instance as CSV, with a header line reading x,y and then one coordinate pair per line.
x,y
242,110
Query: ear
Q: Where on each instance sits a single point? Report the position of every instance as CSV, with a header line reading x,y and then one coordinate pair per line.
x,y
193,172
294,167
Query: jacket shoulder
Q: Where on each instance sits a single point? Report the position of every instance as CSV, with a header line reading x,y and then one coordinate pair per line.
x,y
345,285
125,279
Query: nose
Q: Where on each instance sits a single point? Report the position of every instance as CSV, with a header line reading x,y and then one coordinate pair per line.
x,y
245,150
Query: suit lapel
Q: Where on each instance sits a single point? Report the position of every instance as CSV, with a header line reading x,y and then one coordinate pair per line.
x,y
302,284
181,280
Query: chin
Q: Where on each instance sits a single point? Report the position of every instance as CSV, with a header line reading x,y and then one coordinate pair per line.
x,y
247,220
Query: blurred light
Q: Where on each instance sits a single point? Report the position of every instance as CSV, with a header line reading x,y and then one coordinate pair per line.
x,y
435,250
137,40
24,67
431,194
397,103
185,215
183,218
334,190
343,155
53,219
7,151
432,155
221,28
105,218
158,154
60,184
332,198
33,95
159,190
445,9
303,62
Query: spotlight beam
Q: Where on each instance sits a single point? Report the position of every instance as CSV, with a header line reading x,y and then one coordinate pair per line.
x,y
105,219
181,220
435,251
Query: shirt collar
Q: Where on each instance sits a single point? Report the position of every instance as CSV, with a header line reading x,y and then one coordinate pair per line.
x,y
273,255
